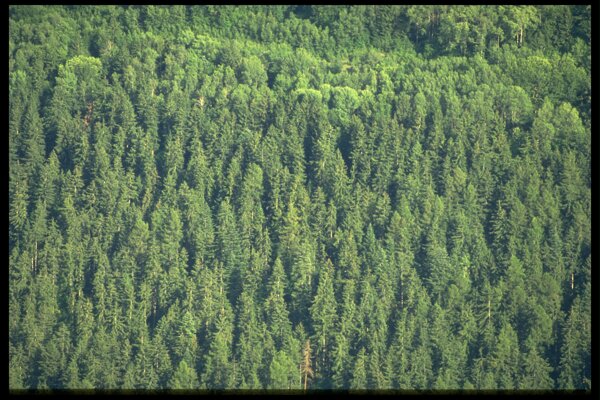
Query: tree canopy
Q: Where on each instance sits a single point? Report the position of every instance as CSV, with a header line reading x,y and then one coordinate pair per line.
x,y
300,197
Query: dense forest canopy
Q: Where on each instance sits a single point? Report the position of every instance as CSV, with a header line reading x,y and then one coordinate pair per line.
x,y
300,197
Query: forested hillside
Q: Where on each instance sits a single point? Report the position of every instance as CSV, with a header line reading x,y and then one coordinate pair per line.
x,y
312,197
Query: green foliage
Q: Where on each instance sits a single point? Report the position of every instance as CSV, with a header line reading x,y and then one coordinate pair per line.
x,y
300,197
282,372
184,377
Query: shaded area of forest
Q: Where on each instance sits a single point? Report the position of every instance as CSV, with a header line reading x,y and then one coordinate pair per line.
x,y
280,197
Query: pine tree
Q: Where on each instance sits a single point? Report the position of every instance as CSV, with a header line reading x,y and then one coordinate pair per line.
x,y
536,371
282,372
300,197
250,343
217,362
184,377
359,373
323,315
277,316
506,358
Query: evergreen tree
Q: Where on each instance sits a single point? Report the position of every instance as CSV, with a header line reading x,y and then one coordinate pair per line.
x,y
184,377
300,197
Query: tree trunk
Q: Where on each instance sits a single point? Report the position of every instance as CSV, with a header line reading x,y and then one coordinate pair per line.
x,y
572,280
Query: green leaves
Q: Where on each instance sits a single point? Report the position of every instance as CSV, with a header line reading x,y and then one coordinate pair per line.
x,y
283,372
299,197
253,72
184,378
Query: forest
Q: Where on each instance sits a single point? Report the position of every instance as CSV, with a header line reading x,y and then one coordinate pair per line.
x,y
299,198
